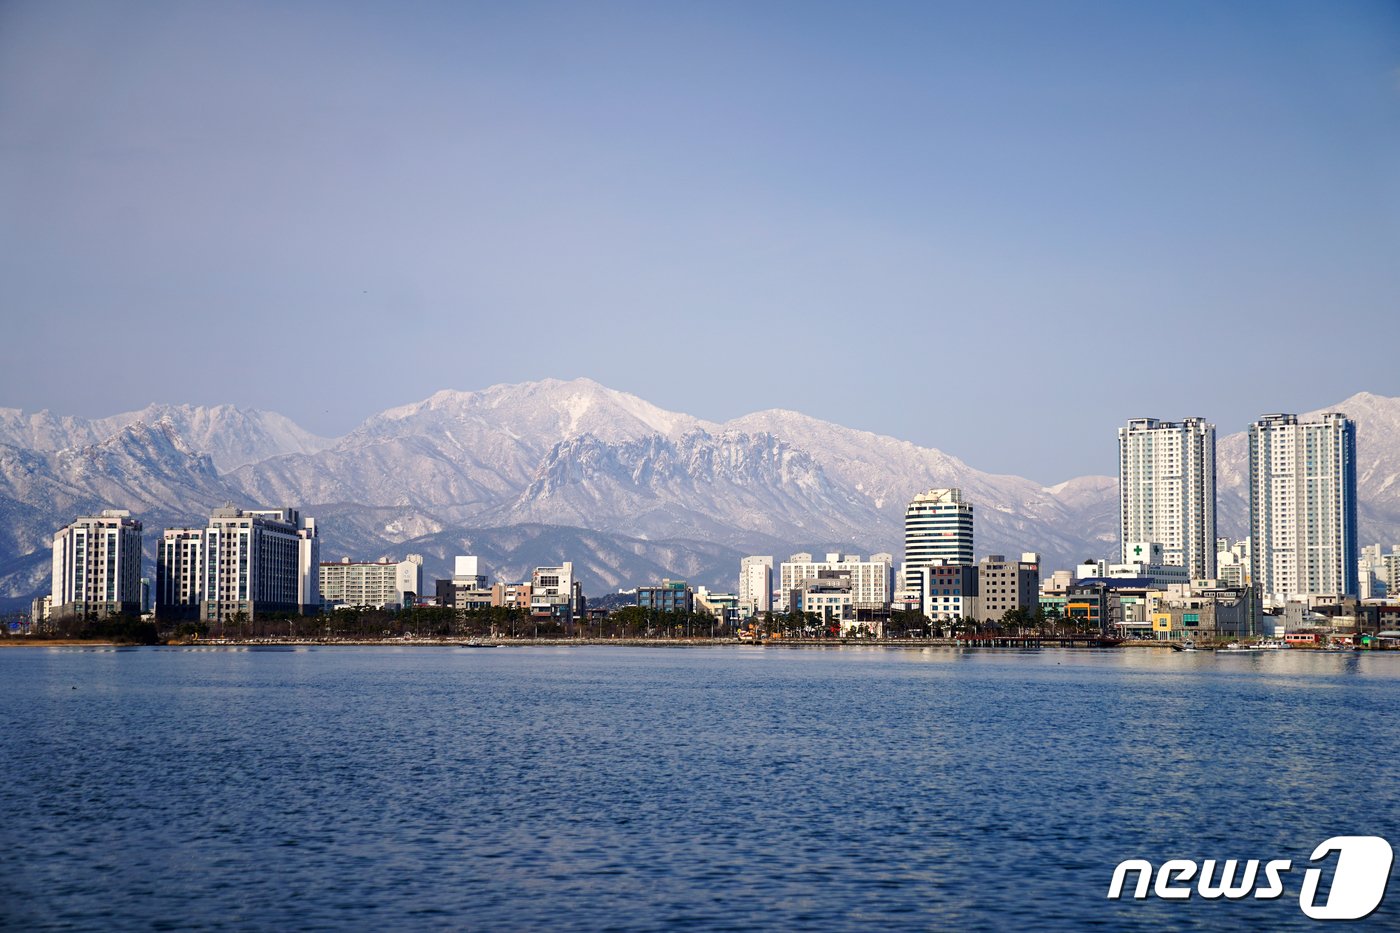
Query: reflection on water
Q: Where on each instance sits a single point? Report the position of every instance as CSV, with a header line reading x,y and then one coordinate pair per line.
x,y
590,788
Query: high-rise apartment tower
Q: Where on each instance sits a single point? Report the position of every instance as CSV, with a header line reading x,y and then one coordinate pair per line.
x,y
260,561
97,567
180,574
1302,506
1166,491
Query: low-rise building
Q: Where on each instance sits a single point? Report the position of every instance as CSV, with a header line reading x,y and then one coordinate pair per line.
x,y
1004,586
1206,612
1092,605
554,592
1056,583
667,596
1146,561
872,581
1377,615
469,588
511,595
830,596
1052,606
724,607
947,592
380,584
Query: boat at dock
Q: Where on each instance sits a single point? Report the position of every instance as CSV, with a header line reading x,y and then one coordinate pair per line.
x,y
1268,644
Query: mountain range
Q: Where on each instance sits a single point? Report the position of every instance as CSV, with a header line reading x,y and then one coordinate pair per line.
x,y
546,471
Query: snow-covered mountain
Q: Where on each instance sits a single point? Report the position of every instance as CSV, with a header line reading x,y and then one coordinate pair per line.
x,y
717,487
556,470
464,452
140,467
231,436
539,414
581,455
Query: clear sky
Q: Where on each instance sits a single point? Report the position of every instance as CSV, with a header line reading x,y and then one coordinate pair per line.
x,y
1000,229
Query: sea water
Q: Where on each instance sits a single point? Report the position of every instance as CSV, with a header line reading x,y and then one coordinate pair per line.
x,y
595,788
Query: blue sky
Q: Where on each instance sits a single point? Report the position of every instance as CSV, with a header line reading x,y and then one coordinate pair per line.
x,y
1000,229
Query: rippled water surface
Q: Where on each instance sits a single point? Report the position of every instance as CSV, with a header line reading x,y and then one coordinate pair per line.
x,y
727,788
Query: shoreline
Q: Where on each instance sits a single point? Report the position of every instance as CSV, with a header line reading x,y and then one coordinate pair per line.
x,y
486,642
21,641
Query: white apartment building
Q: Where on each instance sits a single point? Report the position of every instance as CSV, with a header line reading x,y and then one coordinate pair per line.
x,y
180,573
755,585
259,561
97,567
1371,554
381,584
40,609
830,600
1302,507
1368,584
1232,569
872,581
1379,569
1166,490
1389,571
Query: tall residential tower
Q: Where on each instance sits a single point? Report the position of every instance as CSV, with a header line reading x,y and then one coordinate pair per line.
x,y
97,567
260,561
1166,491
1302,506
180,574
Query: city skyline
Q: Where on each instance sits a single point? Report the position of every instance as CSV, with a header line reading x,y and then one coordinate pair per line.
x,y
804,487
1042,186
